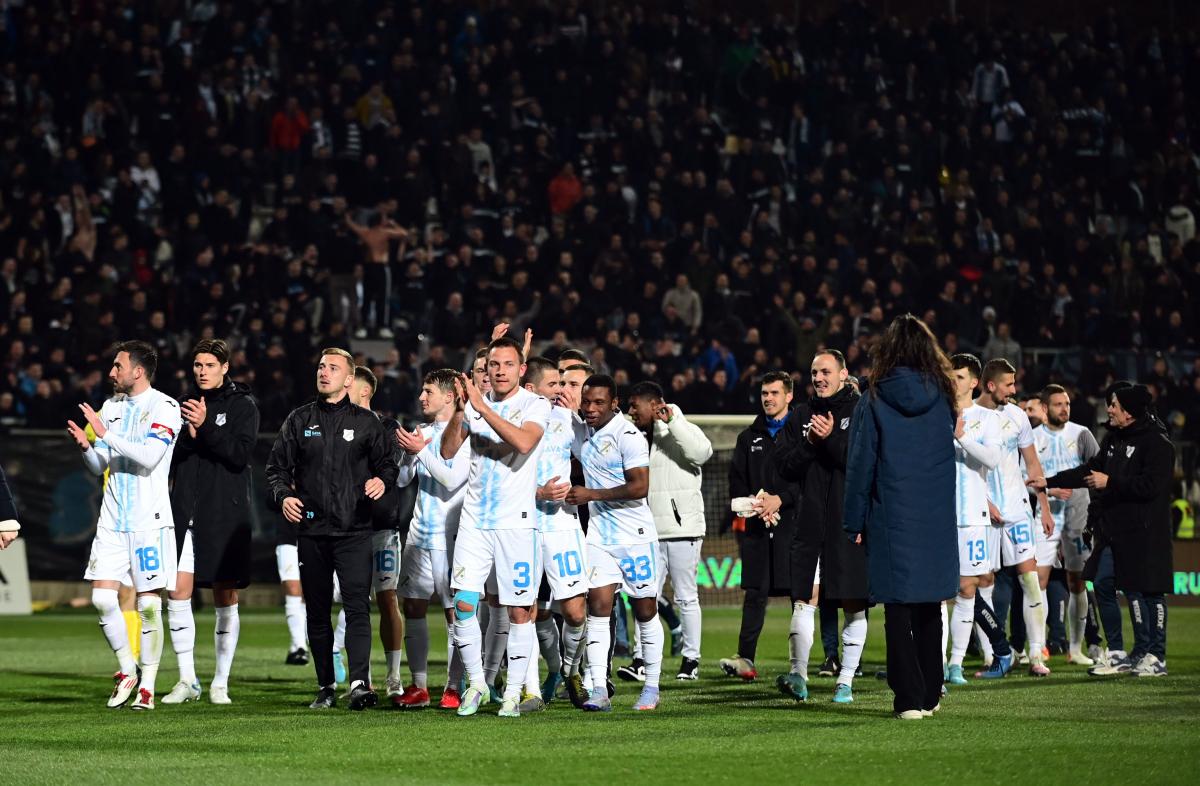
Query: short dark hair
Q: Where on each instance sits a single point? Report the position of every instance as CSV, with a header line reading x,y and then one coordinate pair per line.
x,y
536,368
836,354
480,353
444,378
581,367
368,376
509,342
779,376
1051,390
647,390
995,367
571,353
212,346
969,362
601,381
140,354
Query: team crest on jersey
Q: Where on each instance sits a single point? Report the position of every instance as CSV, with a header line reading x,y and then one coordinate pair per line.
x,y
605,447
514,417
220,421
1129,451
845,423
348,434
556,427
145,416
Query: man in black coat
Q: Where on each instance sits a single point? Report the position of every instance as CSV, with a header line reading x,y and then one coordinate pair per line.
x,y
9,528
824,561
1130,479
210,501
330,464
764,539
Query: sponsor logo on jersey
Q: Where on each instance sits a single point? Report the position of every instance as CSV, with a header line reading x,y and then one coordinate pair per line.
x,y
312,431
220,421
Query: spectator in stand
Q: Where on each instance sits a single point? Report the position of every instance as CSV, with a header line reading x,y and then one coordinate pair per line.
x,y
1002,345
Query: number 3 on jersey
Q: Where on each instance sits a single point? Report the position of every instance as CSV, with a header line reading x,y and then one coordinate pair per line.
x,y
521,579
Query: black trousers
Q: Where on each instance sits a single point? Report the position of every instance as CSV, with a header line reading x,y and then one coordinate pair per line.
x,y
377,290
914,654
350,557
754,613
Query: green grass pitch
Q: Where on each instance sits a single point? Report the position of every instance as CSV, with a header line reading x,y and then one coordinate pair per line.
x,y
54,727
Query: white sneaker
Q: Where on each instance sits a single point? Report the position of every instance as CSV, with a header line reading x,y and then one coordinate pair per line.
x,y
394,688
386,333
217,694
361,333
929,713
1097,653
910,715
182,692
145,700
1079,659
123,685
1150,666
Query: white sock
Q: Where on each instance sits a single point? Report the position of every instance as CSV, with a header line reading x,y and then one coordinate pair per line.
x,y
416,641
229,627
297,623
339,632
454,661
468,641
854,638
521,645
961,624
1077,611
393,658
689,623
495,643
533,683
183,637
112,624
945,630
1034,610
652,638
547,633
985,644
150,610
800,636
598,638
572,639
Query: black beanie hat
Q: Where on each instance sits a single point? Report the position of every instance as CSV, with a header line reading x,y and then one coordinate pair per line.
x,y
1135,400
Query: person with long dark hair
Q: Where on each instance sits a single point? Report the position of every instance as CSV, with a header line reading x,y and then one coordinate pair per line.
x,y
899,500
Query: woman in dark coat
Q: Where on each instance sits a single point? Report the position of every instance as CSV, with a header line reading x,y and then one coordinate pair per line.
x,y
1130,479
899,499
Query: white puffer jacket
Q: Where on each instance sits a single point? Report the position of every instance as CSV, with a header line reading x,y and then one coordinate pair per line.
x,y
677,453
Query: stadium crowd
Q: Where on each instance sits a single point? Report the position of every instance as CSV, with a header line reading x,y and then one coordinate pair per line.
x,y
705,199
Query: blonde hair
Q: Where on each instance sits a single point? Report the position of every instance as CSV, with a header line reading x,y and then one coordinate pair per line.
x,y
342,354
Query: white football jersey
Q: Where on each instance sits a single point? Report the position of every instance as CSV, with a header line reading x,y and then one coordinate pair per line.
x,y
974,457
554,460
1006,484
502,484
606,455
1067,448
441,488
137,496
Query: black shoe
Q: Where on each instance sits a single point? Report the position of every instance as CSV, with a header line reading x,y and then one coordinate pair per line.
x,y
611,687
297,657
831,667
1057,647
362,697
634,672
326,700
688,670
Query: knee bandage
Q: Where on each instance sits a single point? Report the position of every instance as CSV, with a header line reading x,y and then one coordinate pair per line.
x,y
105,600
465,598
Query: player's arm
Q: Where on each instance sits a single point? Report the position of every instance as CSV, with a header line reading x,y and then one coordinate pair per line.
x,y
523,438
150,449
984,448
739,467
450,473
694,446
1087,446
232,443
1033,466
455,434
836,444
381,457
281,463
1151,478
95,457
861,462
636,485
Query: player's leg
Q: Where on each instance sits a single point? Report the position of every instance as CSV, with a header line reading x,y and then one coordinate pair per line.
x,y
182,625
854,639
604,577
518,574
127,599
1033,609
288,564
385,577
415,588
650,629
108,564
316,579
1057,598
827,619
452,693
472,565
225,638
352,563
962,623
154,565
754,614
800,630
685,557
1077,617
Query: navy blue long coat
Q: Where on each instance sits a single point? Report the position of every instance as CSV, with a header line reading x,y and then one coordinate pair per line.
x,y
900,489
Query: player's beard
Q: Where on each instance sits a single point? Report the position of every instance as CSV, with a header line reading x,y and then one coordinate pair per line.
x,y
119,389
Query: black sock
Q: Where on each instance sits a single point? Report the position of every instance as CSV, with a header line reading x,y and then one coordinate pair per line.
x,y
986,619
